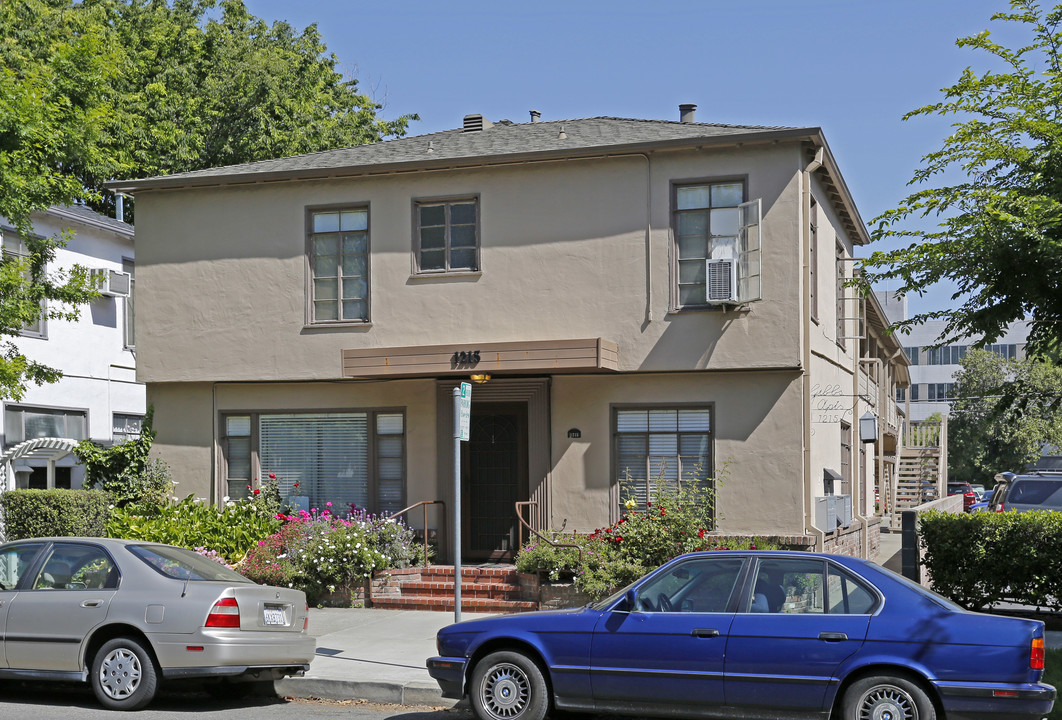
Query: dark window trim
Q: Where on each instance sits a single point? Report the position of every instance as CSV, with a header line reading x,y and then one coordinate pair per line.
x,y
415,205
309,210
255,450
672,250
614,408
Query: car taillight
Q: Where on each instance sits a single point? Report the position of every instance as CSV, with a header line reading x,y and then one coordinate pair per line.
x,y
224,614
1000,508
306,622
1036,655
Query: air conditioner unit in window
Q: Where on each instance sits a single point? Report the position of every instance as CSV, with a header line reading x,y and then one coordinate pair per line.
x,y
722,281
115,283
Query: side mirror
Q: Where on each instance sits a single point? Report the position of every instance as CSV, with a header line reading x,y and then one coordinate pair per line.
x,y
631,601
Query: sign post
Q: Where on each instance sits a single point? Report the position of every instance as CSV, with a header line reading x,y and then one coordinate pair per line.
x,y
462,421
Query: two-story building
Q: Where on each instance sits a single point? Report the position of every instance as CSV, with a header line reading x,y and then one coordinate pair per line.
x,y
98,397
636,301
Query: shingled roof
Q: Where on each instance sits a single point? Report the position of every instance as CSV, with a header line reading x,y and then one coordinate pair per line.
x,y
482,142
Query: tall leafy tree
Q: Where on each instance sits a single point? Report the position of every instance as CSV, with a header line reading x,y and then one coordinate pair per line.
x,y
55,68
94,90
985,438
989,214
204,83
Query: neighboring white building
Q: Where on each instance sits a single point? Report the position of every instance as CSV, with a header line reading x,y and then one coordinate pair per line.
x,y
98,397
933,369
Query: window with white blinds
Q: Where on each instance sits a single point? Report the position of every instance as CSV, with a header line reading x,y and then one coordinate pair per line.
x,y
319,458
665,447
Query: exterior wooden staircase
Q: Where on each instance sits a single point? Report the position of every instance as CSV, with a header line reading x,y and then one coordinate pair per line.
x,y
487,589
921,470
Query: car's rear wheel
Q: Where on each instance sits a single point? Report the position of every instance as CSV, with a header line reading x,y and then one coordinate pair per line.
x,y
508,686
124,676
881,697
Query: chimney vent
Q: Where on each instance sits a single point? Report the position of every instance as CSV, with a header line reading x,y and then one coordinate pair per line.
x,y
687,111
536,116
476,123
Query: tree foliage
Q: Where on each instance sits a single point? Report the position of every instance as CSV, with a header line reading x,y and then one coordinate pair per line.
x,y
986,437
96,90
204,83
996,231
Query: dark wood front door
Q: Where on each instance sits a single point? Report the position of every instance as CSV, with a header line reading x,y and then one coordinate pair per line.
x,y
494,479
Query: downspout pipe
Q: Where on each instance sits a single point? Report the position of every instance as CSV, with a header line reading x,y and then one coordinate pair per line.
x,y
805,321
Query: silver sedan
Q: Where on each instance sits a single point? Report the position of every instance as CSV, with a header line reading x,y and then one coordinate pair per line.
x,y
126,615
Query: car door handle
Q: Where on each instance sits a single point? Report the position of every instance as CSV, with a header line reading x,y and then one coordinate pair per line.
x,y
832,636
91,603
705,632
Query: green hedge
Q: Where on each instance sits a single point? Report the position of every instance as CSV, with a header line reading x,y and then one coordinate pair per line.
x,y
979,559
54,513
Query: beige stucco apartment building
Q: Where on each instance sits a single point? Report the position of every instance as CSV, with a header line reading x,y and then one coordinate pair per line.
x,y
642,299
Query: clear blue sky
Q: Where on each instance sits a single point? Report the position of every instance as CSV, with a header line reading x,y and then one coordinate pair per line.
x,y
851,67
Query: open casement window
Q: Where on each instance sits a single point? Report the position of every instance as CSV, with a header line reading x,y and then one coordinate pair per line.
x,y
339,263
851,305
717,245
662,449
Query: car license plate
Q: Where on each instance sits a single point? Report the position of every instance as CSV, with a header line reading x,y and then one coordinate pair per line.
x,y
274,616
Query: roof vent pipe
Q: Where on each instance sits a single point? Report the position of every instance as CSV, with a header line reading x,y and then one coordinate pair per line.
x,y
536,116
687,111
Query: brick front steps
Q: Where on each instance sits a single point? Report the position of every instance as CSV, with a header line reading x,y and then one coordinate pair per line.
x,y
490,589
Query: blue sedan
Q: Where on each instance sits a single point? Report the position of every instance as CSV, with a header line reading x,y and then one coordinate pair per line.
x,y
752,635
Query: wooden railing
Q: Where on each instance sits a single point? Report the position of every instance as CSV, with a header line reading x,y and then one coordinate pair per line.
x,y
424,505
524,524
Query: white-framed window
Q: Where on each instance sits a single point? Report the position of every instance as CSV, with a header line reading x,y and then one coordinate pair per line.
x,y
343,458
447,235
128,266
125,427
661,446
15,249
339,265
29,423
716,245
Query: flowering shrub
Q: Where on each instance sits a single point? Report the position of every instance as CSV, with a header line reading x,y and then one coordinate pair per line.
x,y
319,552
675,522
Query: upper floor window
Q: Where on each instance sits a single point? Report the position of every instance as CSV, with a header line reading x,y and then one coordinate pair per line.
x,y
130,315
716,245
16,250
447,236
339,265
30,423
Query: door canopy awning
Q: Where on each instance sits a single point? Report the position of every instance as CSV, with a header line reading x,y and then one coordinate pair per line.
x,y
49,450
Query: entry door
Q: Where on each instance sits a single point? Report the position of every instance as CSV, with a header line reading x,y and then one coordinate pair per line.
x,y
494,479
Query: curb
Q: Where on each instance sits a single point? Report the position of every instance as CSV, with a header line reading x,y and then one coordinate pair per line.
x,y
413,693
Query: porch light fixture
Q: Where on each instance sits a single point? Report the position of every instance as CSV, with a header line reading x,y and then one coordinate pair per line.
x,y
480,378
868,427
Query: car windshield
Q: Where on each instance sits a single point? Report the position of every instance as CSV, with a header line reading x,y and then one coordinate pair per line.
x,y
182,564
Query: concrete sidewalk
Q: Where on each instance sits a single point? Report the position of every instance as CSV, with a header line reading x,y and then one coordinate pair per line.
x,y
375,655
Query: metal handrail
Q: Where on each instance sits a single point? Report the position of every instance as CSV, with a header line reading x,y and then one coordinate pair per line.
x,y
524,524
424,504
